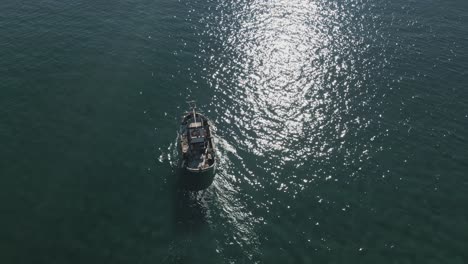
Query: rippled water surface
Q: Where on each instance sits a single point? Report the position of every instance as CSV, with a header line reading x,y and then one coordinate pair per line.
x,y
341,130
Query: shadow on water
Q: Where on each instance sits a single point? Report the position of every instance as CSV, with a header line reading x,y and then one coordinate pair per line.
x,y
189,210
193,239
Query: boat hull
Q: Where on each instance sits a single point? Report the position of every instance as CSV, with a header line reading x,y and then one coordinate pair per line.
x,y
196,180
198,154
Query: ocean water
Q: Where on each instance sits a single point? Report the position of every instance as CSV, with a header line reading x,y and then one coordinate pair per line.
x,y
341,131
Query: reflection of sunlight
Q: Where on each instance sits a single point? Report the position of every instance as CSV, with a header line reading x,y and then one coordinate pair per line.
x,y
291,82
276,44
227,195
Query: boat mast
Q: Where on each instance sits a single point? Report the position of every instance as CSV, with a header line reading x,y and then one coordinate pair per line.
x,y
193,105
194,115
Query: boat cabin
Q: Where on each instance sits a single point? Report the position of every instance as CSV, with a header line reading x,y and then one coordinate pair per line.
x,y
197,133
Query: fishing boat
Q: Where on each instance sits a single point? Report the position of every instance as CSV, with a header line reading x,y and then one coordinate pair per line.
x,y
197,148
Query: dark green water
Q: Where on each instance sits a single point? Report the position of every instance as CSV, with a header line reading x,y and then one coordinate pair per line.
x,y
342,131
